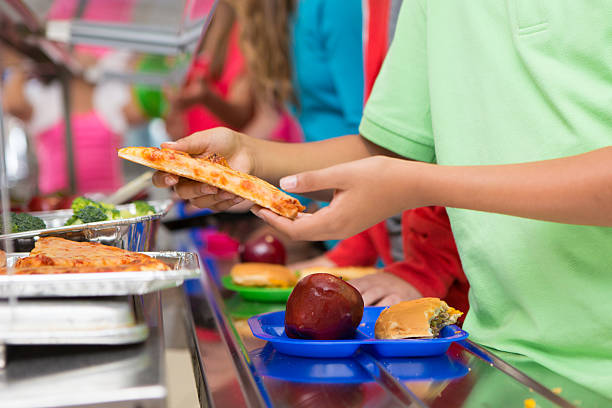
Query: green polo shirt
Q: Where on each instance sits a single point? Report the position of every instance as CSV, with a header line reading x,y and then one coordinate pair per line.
x,y
507,81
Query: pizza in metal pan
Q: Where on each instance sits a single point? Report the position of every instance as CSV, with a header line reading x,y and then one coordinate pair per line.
x,y
52,255
214,170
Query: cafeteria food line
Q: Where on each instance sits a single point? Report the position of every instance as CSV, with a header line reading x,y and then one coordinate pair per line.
x,y
182,330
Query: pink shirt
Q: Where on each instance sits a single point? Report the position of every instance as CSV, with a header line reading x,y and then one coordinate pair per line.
x,y
199,118
96,165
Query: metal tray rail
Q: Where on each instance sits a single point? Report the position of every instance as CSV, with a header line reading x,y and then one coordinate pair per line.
x,y
184,265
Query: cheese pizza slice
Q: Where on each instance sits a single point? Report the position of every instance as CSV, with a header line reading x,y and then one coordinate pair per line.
x,y
58,255
213,170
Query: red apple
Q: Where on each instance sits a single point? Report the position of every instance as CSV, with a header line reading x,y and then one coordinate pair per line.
x,y
323,307
39,203
265,248
65,202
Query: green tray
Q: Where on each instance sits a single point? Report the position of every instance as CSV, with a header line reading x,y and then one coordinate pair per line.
x,y
239,308
255,293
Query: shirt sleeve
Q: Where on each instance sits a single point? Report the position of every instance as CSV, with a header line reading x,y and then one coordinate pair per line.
x,y
398,115
342,36
358,250
432,263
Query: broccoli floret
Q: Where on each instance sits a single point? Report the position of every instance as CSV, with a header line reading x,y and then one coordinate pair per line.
x,y
109,211
27,222
105,206
91,214
21,222
113,214
81,202
143,208
125,214
74,220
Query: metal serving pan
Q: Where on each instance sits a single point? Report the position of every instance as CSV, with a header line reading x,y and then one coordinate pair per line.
x,y
133,234
184,265
102,321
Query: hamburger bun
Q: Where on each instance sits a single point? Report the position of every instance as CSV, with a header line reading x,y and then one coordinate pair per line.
x,y
263,275
423,318
344,273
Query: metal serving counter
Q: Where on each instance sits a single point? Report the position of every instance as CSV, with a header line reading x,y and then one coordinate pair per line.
x,y
110,376
243,371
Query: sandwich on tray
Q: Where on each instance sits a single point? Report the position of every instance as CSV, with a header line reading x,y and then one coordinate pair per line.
x,y
419,318
343,272
262,275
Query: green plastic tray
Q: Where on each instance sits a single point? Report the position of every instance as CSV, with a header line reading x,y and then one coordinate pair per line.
x,y
255,293
240,308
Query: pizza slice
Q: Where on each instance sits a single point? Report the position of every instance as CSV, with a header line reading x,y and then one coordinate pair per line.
x,y
52,255
214,170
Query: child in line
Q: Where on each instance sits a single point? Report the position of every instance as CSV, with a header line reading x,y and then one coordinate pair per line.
x,y
505,113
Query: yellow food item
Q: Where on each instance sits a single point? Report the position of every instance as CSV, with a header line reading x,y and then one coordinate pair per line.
x,y
530,403
263,275
423,317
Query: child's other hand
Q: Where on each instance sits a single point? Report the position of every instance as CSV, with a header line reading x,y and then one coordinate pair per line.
x,y
365,192
384,289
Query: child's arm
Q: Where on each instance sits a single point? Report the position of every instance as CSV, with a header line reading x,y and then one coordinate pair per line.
x,y
13,95
265,159
236,109
573,190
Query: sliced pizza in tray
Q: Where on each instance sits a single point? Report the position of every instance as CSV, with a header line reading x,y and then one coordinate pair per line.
x,y
52,255
214,170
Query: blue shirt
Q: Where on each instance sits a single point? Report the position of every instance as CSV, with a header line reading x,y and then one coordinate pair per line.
x,y
328,64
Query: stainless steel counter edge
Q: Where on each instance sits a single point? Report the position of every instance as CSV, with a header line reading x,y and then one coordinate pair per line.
x,y
254,392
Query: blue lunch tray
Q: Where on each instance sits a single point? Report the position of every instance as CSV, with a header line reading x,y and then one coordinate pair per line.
x,y
271,327
269,362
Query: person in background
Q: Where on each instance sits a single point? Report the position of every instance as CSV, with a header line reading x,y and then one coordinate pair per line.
x,y
98,121
241,78
416,248
328,64
278,53
97,125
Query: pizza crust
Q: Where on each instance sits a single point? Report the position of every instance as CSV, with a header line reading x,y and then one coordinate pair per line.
x,y
213,170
